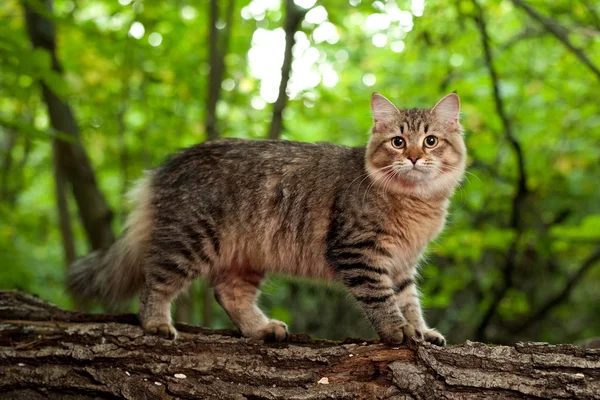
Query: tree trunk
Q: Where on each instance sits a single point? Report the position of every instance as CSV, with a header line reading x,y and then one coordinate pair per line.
x,y
49,353
293,18
62,206
218,45
71,158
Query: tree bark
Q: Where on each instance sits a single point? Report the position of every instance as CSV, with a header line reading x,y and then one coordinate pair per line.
x,y
71,157
46,352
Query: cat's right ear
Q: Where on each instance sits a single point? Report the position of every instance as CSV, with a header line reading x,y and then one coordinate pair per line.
x,y
384,113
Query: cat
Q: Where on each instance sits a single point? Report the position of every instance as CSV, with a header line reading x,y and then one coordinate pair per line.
x,y
233,210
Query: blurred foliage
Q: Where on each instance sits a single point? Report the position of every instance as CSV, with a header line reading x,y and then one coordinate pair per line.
x,y
136,76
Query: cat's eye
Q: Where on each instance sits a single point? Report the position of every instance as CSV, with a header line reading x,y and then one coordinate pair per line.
x,y
431,141
398,142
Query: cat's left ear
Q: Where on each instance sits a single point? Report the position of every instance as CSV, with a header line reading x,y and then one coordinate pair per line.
x,y
447,109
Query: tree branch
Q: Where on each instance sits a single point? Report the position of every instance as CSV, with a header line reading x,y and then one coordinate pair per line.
x,y
561,296
526,33
47,352
293,17
521,190
560,33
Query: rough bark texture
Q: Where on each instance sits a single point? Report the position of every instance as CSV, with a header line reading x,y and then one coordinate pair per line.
x,y
46,352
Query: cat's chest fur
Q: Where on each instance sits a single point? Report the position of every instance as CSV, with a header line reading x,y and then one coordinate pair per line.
x,y
409,227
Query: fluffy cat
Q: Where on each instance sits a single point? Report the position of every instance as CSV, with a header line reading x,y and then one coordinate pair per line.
x,y
234,210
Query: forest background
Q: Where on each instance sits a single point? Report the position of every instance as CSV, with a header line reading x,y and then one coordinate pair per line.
x,y
94,92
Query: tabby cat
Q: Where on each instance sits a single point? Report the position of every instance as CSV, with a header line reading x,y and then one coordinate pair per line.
x,y
235,210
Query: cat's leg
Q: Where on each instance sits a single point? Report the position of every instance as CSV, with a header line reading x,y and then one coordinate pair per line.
x,y
168,270
237,293
407,297
373,289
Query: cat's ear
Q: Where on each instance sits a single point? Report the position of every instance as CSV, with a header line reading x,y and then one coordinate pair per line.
x,y
447,109
384,113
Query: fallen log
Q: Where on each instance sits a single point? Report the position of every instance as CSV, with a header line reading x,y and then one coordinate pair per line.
x,y
49,353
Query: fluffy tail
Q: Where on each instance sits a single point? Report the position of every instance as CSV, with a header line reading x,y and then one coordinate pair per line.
x,y
116,274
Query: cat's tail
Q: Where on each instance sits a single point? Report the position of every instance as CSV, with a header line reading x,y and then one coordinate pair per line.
x,y
116,274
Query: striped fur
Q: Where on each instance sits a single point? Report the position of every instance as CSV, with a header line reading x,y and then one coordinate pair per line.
x,y
235,210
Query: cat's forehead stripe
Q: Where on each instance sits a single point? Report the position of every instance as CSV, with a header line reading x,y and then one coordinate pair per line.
x,y
414,119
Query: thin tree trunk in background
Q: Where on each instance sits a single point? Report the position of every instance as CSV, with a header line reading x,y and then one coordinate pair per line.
x,y
218,45
521,191
293,17
62,205
71,158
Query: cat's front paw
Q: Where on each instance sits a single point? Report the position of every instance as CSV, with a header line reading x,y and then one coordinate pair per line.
x,y
400,334
433,336
274,331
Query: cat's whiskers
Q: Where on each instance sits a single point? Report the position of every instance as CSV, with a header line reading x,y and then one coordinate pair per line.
x,y
457,181
371,184
464,171
385,184
365,176
447,176
376,179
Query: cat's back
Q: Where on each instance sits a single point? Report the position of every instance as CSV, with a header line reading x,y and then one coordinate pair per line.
x,y
240,160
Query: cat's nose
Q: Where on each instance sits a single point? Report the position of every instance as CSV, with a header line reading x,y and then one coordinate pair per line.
x,y
413,159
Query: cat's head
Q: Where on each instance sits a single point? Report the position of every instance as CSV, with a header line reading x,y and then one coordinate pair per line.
x,y
418,152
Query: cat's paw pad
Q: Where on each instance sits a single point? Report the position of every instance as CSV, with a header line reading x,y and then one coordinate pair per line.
x,y
163,330
433,336
275,331
401,334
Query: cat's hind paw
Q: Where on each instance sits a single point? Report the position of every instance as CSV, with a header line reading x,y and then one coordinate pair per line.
x,y
163,330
